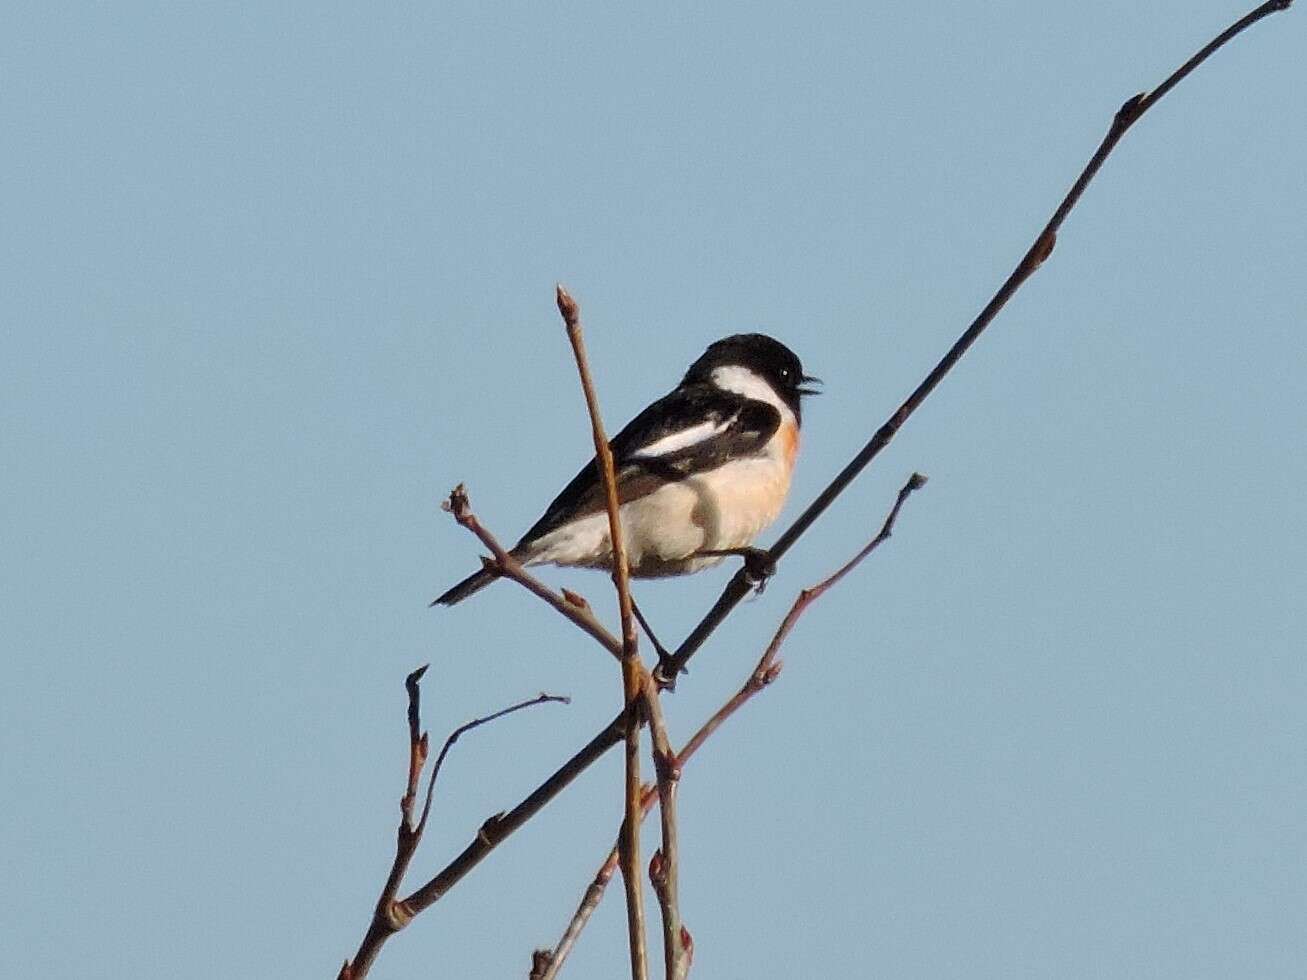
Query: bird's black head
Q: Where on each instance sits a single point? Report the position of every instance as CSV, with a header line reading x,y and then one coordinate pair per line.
x,y
745,362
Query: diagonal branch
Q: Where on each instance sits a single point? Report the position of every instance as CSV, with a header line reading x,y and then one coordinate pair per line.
x,y
571,605
1129,113
633,670
763,674
389,916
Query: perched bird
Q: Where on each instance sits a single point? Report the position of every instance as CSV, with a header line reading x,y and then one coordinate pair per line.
x,y
699,472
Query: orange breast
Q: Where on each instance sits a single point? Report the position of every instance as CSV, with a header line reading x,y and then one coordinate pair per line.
x,y
789,439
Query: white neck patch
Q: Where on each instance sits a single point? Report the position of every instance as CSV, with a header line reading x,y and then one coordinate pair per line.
x,y
752,385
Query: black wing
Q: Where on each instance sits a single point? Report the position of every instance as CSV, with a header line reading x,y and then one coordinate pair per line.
x,y
694,429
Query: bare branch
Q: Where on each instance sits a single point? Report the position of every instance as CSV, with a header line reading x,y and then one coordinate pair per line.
x,y
594,893
462,730
1129,113
763,674
665,864
497,828
769,668
571,605
632,670
571,312
389,916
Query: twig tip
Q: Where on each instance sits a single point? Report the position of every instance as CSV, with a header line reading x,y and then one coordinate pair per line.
x,y
566,305
457,502
541,961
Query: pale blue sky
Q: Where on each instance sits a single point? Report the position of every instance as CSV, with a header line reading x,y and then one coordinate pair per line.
x,y
273,278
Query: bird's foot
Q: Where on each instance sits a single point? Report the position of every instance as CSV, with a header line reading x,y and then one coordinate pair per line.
x,y
759,565
666,671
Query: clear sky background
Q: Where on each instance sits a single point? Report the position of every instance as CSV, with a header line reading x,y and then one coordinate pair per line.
x,y
273,278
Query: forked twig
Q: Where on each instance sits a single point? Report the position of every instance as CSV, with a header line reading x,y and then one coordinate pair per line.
x,y
463,729
497,828
389,916
633,671
763,674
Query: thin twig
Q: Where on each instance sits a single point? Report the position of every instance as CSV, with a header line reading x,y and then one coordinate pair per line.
x,y
497,828
571,312
389,916
571,605
1129,113
763,674
383,923
664,866
632,670
594,893
462,730
768,668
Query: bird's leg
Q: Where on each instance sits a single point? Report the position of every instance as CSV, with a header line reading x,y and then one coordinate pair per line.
x,y
759,565
663,655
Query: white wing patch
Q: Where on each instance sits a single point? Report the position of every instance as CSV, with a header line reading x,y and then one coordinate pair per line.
x,y
684,439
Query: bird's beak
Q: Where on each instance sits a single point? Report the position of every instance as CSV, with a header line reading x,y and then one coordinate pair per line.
x,y
806,380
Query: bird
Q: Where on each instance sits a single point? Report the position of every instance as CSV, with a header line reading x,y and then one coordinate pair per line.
x,y
700,472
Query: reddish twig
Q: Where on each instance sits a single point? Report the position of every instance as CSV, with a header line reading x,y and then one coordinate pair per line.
x,y
389,916
763,674
632,670
571,605
384,923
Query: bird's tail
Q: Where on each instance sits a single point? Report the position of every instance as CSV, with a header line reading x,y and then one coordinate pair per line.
x,y
473,583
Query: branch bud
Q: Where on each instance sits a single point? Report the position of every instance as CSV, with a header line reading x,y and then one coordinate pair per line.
x,y
575,599
657,870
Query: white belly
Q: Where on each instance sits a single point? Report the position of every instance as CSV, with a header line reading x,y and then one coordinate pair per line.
x,y
723,508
